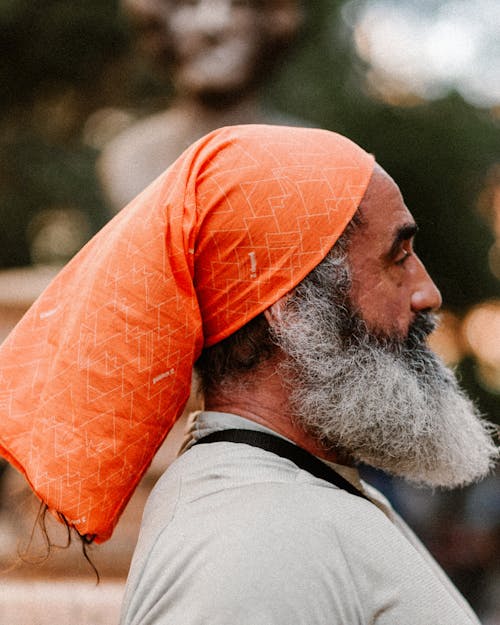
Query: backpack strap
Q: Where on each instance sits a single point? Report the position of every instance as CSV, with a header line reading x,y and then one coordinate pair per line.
x,y
277,445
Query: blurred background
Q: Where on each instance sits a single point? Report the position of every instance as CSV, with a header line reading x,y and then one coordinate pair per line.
x,y
99,97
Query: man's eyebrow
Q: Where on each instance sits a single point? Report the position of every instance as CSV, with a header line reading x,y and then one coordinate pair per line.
x,y
403,233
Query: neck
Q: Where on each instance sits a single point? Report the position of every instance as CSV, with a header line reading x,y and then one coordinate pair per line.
x,y
231,108
264,400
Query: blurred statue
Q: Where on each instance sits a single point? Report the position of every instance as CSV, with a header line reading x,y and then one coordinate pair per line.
x,y
216,53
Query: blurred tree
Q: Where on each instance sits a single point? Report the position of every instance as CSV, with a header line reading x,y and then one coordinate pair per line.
x,y
51,46
37,175
60,62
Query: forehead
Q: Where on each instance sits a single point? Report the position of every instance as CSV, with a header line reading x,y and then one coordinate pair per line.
x,y
383,211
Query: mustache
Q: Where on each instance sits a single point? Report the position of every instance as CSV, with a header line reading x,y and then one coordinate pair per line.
x,y
355,332
422,326
411,350
412,347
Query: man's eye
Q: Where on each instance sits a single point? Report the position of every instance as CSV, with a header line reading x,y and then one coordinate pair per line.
x,y
402,257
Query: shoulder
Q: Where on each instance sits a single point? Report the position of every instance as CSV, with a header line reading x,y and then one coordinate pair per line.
x,y
137,155
234,484
252,537
249,538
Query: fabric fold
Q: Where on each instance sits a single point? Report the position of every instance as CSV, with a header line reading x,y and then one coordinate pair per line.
x,y
98,370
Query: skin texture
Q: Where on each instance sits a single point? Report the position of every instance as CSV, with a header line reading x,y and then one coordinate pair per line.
x,y
390,285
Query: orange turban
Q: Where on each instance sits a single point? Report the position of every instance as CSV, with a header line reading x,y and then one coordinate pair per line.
x,y
98,370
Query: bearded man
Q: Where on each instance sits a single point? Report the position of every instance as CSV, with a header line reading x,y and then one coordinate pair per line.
x,y
237,533
280,261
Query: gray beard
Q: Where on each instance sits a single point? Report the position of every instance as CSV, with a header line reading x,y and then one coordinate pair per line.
x,y
383,400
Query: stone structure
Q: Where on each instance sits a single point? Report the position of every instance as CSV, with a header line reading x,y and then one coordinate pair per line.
x,y
216,53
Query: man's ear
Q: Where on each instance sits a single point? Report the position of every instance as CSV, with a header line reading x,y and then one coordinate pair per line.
x,y
273,313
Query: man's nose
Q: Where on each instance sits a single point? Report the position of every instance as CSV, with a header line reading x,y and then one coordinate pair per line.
x,y
426,295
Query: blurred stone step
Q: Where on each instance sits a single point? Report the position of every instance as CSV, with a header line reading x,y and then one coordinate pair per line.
x,y
58,602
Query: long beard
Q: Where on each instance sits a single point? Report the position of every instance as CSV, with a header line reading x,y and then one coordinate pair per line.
x,y
385,401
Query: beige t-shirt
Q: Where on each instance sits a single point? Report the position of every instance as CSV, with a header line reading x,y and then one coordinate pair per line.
x,y
235,535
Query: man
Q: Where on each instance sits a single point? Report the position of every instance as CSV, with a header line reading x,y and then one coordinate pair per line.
x,y
216,54
280,260
235,534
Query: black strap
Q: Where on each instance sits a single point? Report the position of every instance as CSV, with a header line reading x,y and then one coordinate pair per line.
x,y
276,445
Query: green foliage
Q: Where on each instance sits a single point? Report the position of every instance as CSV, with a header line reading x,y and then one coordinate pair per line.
x,y
58,57
37,175
52,44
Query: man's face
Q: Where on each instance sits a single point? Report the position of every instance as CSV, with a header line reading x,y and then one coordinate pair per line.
x,y
360,376
212,46
389,282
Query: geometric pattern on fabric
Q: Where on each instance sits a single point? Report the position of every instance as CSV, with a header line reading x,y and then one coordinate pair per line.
x,y
98,370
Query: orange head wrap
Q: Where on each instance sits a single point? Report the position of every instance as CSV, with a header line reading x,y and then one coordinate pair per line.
x,y
98,370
